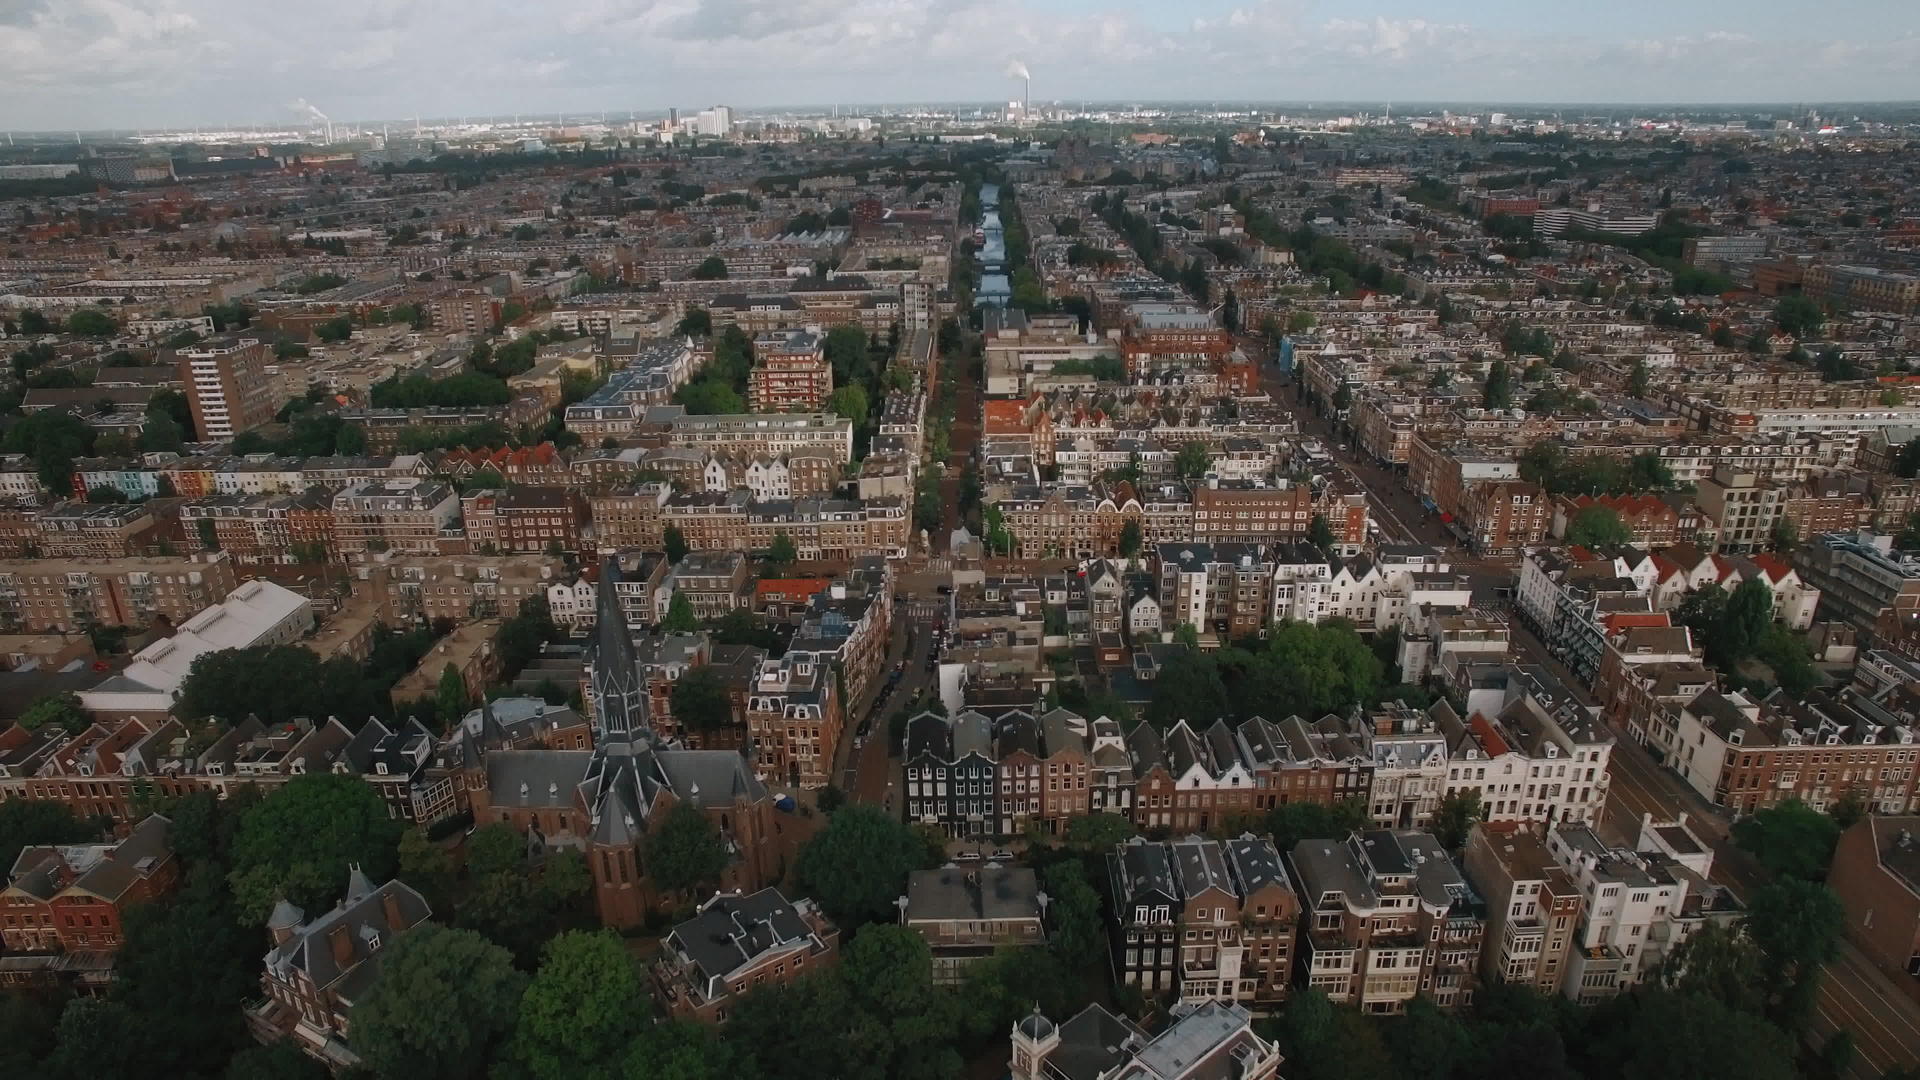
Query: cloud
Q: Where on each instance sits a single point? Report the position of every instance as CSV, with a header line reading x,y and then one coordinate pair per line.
x,y
66,63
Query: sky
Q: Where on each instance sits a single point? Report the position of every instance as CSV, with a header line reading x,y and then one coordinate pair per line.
x,y
94,64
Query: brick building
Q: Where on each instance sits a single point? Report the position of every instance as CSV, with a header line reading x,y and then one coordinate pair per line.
x,y
790,373
1876,875
1392,919
73,897
735,943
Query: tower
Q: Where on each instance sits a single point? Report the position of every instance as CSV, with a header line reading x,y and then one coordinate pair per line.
x,y
1034,1037
620,701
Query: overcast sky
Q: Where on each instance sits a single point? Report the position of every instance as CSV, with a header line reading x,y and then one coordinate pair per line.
x,y
147,63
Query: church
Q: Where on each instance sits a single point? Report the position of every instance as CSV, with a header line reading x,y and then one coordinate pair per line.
x,y
606,801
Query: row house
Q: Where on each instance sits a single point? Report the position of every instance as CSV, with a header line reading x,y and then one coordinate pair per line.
x,y
75,530
544,465
818,528
795,718
406,516
1684,569
1387,917
74,897
1503,517
746,434
1534,908
1527,747
460,588
74,594
1210,920
1748,755
523,519
1653,522
1218,589
108,771
1638,904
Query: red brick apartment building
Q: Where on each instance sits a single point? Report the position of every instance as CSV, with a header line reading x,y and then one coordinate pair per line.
x,y
73,897
1876,874
736,944
791,373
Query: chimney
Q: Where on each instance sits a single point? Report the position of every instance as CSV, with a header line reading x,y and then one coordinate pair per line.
x,y
341,939
390,907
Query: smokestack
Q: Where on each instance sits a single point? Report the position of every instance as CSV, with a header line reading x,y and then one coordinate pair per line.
x,y
1026,95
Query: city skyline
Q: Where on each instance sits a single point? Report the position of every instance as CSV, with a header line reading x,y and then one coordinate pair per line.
x,y
114,64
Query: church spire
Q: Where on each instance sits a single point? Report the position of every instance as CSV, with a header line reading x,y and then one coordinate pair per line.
x,y
619,699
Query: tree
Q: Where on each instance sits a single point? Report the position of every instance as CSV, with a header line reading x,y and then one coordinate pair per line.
x,y
1193,460
782,554
1130,538
1455,818
1639,384
695,323
850,402
1784,536
278,1060
700,701
1079,931
857,865
97,1037
675,542
1098,831
1799,315
1498,391
1790,838
580,1012
444,1000
1320,533
62,709
1291,823
186,967
1718,961
161,433
300,841
712,268
31,822
685,851
425,865
91,322
1600,528
680,618
450,698
708,396
1669,1036
678,1050
1188,687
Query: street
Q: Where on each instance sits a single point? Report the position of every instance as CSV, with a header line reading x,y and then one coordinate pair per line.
x,y
1885,1023
862,768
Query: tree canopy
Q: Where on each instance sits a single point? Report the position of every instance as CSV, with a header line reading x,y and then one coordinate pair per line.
x,y
858,865
582,1010
299,842
444,1001
1600,528
685,851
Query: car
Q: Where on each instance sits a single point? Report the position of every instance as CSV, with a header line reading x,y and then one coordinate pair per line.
x,y
1003,855
967,856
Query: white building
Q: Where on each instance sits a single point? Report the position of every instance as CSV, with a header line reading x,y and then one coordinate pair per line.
x,y
257,613
1639,904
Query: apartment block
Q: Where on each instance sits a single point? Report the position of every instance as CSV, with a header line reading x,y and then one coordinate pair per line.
x,y
1386,917
1209,919
228,387
74,594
